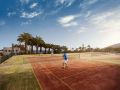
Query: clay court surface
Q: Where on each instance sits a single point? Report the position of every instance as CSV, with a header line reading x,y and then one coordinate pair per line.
x,y
81,74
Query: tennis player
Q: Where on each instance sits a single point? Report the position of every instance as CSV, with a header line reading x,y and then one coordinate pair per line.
x,y
65,56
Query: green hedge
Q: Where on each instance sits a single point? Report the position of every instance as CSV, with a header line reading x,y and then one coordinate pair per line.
x,y
5,57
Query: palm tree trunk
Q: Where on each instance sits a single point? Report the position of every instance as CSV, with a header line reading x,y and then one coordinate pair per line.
x,y
40,49
36,49
25,47
31,49
49,50
45,50
54,50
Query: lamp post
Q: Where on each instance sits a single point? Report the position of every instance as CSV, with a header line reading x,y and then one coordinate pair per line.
x,y
12,49
79,53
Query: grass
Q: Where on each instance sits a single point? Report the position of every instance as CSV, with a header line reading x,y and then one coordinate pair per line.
x,y
16,74
102,57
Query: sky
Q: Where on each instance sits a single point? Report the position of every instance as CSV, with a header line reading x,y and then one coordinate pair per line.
x,y
64,22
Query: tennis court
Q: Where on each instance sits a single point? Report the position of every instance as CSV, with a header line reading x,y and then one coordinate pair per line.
x,y
81,74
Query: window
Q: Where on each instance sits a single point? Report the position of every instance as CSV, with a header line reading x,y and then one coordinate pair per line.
x,y
16,50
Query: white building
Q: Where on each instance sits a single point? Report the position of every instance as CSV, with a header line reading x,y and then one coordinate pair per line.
x,y
1,53
8,50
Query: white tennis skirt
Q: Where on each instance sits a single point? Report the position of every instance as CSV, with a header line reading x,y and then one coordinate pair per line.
x,y
65,61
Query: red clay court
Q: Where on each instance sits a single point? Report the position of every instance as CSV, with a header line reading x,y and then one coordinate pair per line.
x,y
80,74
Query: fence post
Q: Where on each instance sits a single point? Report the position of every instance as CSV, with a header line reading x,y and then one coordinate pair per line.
x,y
0,60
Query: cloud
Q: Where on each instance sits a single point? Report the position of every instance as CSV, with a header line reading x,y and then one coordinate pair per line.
x,y
68,21
24,1
33,5
101,17
61,1
107,21
87,3
2,23
70,24
67,3
81,30
26,22
30,15
91,1
109,26
88,14
106,25
53,12
11,13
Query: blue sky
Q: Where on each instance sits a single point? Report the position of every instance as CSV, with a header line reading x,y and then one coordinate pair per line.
x,y
65,22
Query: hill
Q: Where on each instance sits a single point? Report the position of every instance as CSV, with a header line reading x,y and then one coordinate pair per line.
x,y
114,46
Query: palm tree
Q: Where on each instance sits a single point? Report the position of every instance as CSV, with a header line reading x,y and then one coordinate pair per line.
x,y
83,48
56,48
24,37
64,48
89,48
50,46
38,41
41,45
80,48
59,50
31,43
45,46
